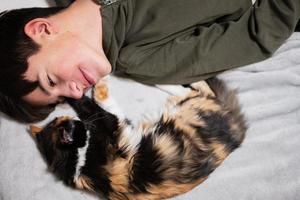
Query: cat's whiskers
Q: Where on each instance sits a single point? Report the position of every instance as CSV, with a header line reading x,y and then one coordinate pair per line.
x,y
89,121
94,119
93,115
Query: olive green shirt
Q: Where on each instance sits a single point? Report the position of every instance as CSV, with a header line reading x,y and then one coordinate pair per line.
x,y
182,41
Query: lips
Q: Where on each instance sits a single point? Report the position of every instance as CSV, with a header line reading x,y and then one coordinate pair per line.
x,y
88,77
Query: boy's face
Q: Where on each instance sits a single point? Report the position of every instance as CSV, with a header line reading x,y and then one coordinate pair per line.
x,y
64,66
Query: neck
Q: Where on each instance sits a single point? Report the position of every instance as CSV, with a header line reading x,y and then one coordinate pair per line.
x,y
83,19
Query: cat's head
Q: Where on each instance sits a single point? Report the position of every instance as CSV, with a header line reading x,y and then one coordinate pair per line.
x,y
58,142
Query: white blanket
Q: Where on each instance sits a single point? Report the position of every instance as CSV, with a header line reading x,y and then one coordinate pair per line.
x,y
265,167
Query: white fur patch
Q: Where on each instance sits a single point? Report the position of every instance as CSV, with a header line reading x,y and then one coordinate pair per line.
x,y
81,157
111,105
176,90
133,137
171,109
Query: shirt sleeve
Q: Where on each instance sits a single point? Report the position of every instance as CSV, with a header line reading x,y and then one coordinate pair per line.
x,y
207,49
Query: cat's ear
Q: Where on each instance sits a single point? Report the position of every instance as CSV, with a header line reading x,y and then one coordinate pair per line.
x,y
35,130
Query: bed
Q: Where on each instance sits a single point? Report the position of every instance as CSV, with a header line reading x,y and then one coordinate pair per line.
x,y
266,166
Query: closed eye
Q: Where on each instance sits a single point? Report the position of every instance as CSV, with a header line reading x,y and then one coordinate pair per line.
x,y
51,82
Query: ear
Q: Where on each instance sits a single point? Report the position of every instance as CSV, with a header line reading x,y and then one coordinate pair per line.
x,y
39,29
35,130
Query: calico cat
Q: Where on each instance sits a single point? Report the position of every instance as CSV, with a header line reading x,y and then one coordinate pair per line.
x,y
104,154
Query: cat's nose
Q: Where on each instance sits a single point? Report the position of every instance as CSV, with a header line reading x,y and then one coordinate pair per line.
x,y
68,129
67,137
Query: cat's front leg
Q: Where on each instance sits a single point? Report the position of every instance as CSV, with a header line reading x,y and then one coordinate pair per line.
x,y
90,112
85,107
102,96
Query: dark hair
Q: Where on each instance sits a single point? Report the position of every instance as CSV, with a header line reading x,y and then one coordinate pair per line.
x,y
15,49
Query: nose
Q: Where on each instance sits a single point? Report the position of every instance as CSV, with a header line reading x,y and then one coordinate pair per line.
x,y
74,90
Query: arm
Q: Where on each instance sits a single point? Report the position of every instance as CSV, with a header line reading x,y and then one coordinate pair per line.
x,y
204,51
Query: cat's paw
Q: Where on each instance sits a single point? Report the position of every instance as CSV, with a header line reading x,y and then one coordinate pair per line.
x,y
104,99
203,88
101,92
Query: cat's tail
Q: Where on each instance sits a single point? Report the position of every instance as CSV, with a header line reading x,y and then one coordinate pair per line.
x,y
230,106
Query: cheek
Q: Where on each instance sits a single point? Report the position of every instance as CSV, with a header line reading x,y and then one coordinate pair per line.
x,y
66,60
66,67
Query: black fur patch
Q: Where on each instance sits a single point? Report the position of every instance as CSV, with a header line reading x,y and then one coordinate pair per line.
x,y
147,160
217,126
62,162
96,158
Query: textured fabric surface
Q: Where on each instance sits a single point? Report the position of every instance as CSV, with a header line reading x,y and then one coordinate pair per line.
x,y
266,167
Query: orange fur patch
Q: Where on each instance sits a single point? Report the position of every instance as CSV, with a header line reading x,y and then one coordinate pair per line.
x,y
203,87
101,91
220,151
118,170
34,130
84,183
165,190
169,188
61,120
